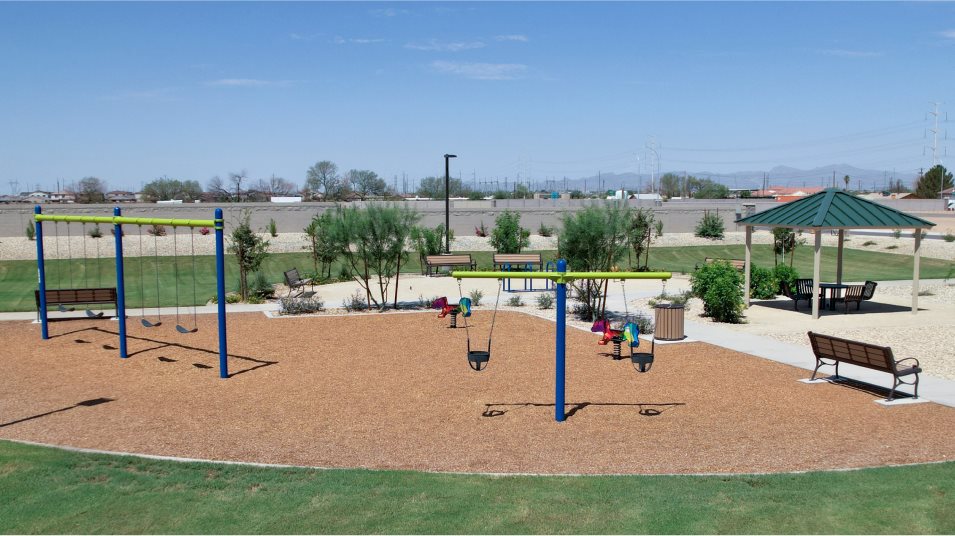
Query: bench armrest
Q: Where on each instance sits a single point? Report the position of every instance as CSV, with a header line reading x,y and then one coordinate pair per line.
x,y
908,362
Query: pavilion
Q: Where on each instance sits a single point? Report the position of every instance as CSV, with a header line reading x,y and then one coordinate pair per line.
x,y
834,209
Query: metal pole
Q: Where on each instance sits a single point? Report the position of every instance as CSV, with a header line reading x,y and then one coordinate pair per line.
x,y
561,344
41,269
220,295
120,286
447,205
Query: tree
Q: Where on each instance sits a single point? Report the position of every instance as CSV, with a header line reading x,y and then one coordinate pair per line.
x,y
217,188
639,235
323,177
433,187
90,190
275,187
846,179
322,241
165,189
508,236
250,251
709,189
235,182
366,183
671,185
784,241
930,185
594,239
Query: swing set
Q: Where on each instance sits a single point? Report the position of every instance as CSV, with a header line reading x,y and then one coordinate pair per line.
x,y
561,277
184,324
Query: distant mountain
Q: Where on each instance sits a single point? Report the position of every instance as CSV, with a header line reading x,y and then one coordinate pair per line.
x,y
777,176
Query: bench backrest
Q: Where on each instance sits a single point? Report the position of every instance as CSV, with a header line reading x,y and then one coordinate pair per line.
x,y
739,264
854,293
804,287
292,278
517,258
855,352
447,260
79,295
869,290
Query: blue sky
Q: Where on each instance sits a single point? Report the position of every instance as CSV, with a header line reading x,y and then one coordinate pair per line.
x,y
131,92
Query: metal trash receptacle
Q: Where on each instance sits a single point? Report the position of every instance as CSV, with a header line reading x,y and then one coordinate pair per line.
x,y
668,322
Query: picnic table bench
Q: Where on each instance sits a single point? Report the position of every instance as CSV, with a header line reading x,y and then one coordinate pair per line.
x,y
518,261
77,296
739,264
871,356
433,262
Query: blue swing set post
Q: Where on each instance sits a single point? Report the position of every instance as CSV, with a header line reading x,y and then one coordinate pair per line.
x,y
561,277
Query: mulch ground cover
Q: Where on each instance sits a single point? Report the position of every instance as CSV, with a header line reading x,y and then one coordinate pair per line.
x,y
395,391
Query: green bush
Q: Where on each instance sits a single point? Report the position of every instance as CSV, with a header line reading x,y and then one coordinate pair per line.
x,y
893,246
871,243
710,226
762,283
300,305
96,232
545,301
515,301
356,302
659,228
31,231
544,230
259,287
949,237
273,228
476,296
719,285
508,236
785,273
897,233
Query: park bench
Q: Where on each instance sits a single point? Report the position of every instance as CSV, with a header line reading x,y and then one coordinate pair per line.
x,y
433,262
865,355
739,264
518,261
77,296
859,293
803,291
294,281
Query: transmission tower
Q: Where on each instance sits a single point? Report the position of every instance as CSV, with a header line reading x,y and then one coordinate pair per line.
x,y
935,113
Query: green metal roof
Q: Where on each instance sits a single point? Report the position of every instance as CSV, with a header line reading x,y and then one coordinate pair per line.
x,y
835,208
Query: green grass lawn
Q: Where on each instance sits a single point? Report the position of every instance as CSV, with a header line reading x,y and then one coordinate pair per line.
x,y
46,490
19,277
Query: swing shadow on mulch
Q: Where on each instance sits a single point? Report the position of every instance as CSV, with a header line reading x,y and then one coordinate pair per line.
x,y
260,363
84,403
647,409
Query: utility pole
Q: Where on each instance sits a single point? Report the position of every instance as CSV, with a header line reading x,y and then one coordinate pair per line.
x,y
934,131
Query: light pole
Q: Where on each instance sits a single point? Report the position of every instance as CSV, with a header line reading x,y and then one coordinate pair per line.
x,y
447,202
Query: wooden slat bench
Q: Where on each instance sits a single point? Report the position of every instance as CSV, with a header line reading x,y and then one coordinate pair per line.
x,y
518,261
865,355
858,293
739,264
77,296
433,262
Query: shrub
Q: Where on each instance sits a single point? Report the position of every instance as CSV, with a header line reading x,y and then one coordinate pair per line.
x,y
476,296
644,323
515,301
203,231
157,230
356,302
230,297
480,230
31,231
762,283
425,303
921,233
255,300
259,287
893,246
544,230
868,243
545,301
710,226
300,305
897,233
659,228
679,299
719,285
926,293
273,228
508,236
949,237
785,273
428,241
95,232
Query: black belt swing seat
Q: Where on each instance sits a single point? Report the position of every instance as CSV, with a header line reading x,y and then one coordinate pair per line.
x,y
479,359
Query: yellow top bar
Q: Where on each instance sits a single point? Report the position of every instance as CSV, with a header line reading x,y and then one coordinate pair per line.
x,y
123,220
561,277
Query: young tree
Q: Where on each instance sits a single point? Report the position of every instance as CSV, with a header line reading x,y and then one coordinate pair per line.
x,y
323,177
217,188
508,236
784,241
639,235
930,185
320,233
594,239
250,251
366,183
235,181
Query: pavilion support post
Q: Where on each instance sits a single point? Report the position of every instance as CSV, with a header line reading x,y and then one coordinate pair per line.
x,y
817,251
842,238
916,254
749,250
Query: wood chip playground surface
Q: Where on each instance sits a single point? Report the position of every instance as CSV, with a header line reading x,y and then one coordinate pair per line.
x,y
394,391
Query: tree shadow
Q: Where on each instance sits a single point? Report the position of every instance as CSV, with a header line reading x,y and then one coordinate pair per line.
x,y
646,409
84,403
868,306
160,344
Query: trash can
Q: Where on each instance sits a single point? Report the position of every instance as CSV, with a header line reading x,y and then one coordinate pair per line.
x,y
668,322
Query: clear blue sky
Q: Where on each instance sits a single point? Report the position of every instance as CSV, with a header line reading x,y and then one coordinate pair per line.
x,y
131,92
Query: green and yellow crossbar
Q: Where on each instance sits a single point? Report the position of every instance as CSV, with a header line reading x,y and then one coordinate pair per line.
x,y
123,220
561,277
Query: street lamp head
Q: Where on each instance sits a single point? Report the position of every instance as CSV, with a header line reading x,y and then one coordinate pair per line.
x,y
450,156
